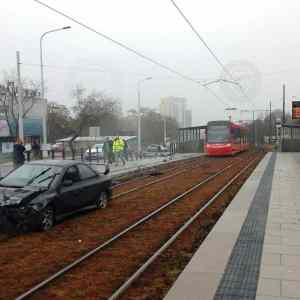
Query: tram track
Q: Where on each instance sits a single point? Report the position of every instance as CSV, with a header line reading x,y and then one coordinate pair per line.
x,y
154,172
120,235
154,257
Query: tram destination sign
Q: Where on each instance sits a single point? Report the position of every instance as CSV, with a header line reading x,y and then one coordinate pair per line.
x,y
296,110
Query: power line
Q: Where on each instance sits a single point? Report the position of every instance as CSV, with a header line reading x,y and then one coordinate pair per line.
x,y
122,45
208,48
66,67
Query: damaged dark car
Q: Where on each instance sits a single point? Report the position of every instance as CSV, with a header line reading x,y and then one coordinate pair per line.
x,y
36,194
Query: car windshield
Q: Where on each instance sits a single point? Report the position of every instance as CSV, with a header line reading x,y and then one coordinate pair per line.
x,y
218,134
32,175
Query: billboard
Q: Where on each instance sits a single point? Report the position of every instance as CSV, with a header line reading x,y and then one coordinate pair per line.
x,y
32,127
4,129
296,110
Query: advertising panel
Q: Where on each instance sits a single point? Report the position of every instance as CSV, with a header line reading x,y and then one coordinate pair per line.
x,y
4,129
296,110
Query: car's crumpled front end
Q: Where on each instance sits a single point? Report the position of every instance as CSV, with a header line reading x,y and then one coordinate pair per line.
x,y
16,209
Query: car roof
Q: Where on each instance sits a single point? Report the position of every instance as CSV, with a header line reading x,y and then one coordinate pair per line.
x,y
55,162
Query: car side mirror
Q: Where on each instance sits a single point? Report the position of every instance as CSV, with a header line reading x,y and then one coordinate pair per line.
x,y
67,182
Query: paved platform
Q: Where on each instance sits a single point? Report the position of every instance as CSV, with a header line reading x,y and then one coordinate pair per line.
x,y
129,167
253,252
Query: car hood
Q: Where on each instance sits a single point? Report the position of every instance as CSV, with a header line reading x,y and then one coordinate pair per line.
x,y
15,196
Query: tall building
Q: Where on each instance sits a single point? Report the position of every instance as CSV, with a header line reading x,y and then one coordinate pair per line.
x,y
175,107
188,118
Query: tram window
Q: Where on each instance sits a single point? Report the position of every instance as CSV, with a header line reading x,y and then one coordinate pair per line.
x,y
218,134
236,133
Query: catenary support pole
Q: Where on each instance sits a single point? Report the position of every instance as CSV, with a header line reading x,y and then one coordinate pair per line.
x,y
20,99
270,123
283,104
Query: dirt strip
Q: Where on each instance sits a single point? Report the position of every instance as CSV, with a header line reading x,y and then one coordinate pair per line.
x,y
101,275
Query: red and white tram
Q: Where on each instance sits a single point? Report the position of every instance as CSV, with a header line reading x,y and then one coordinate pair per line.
x,y
225,138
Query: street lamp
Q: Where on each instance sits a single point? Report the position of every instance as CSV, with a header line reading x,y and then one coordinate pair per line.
x,y
42,81
139,113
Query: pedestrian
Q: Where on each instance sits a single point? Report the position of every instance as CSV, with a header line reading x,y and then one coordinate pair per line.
x,y
125,150
118,148
111,153
106,151
18,154
36,150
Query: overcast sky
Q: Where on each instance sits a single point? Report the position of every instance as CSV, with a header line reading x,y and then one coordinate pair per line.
x,y
263,33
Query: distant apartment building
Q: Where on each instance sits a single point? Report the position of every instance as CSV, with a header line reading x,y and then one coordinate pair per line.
x,y
188,118
175,107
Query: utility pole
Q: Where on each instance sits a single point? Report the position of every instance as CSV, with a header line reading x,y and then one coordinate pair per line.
x,y
139,122
254,127
270,123
20,98
283,104
165,131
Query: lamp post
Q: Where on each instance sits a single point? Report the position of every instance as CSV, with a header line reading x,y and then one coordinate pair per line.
x,y
42,81
139,114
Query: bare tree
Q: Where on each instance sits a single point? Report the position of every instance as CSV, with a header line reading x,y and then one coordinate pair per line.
x,y
9,102
94,109
59,121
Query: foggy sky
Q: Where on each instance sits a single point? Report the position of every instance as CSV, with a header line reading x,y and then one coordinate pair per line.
x,y
264,33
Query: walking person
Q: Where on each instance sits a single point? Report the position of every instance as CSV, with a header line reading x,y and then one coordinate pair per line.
x,y
106,151
36,150
111,153
118,148
18,153
125,150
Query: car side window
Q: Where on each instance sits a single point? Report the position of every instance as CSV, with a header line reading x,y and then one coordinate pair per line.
x,y
86,172
72,174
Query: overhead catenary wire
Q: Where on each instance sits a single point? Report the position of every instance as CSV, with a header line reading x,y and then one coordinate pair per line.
x,y
124,46
209,49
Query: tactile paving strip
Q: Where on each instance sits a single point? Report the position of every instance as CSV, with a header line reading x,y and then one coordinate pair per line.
x,y
241,274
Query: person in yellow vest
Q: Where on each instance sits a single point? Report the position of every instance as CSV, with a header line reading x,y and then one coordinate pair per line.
x,y
118,150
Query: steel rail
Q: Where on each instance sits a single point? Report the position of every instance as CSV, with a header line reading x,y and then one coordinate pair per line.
x,y
90,253
140,271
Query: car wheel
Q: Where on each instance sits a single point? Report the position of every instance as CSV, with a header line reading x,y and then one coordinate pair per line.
x,y
102,200
47,218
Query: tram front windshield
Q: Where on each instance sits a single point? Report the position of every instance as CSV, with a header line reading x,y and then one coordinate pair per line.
x,y
218,134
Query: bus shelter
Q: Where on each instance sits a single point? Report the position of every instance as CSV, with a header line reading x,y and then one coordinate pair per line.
x,y
191,139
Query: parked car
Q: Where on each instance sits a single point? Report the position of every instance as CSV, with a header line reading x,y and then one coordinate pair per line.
x,y
96,152
155,150
38,193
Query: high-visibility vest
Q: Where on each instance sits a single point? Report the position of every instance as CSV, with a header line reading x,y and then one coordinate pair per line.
x,y
118,145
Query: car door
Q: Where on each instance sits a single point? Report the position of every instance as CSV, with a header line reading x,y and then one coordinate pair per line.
x,y
71,195
90,184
